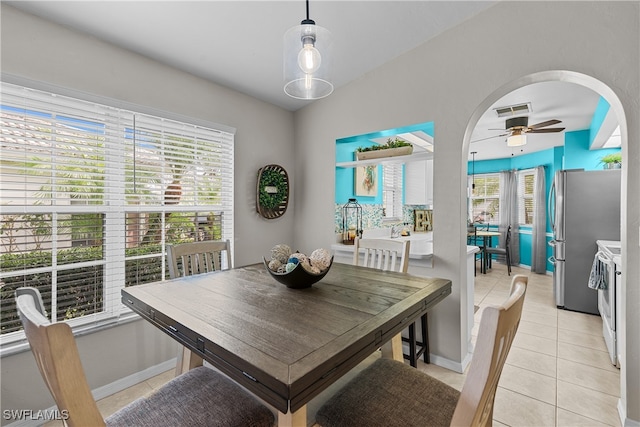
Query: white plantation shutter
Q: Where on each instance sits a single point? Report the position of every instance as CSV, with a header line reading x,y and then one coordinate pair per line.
x,y
526,187
392,191
91,194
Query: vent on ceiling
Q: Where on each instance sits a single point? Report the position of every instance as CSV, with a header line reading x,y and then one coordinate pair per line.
x,y
513,110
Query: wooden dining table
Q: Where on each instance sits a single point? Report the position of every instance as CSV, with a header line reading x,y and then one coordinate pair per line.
x,y
287,345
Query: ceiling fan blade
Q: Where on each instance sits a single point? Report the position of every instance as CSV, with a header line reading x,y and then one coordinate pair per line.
x,y
547,130
489,137
544,124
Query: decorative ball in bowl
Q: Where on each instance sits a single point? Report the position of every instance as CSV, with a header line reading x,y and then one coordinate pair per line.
x,y
298,278
296,270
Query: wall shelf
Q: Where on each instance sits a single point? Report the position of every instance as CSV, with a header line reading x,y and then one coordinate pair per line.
x,y
415,157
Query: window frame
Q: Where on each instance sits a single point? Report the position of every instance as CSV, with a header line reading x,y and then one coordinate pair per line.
x,y
113,311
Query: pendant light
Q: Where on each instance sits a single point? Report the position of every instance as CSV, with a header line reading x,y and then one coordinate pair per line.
x,y
307,60
473,170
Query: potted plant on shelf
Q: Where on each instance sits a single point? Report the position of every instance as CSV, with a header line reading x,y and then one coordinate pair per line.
x,y
612,161
392,148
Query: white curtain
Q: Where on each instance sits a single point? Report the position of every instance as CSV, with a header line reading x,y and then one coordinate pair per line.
x,y
509,213
539,229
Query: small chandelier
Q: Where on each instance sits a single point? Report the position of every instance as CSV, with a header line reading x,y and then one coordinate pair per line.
x,y
307,60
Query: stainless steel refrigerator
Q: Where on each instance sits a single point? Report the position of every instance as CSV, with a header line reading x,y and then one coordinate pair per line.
x,y
584,206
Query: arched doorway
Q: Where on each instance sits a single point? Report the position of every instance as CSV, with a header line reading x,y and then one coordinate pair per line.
x,y
616,109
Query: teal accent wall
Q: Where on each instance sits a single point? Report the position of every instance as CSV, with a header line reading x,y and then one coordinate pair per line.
x,y
345,177
577,154
574,155
345,152
598,118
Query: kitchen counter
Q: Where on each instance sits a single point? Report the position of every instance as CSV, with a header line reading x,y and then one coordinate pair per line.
x,y
420,250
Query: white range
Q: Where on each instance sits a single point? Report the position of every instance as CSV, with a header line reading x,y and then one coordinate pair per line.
x,y
609,297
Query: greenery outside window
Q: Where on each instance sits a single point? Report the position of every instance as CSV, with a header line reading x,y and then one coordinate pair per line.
x,y
91,194
485,198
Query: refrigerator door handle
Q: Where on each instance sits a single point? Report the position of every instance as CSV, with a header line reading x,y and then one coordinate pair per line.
x,y
551,206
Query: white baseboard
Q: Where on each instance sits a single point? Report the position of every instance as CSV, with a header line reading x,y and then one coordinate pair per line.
x,y
626,422
133,379
443,362
105,391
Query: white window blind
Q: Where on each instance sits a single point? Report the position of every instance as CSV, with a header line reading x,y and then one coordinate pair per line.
x,y
392,191
91,194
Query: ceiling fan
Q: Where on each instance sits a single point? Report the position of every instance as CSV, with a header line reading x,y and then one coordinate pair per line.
x,y
517,127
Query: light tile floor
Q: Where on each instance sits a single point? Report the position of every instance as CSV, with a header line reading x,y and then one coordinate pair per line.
x,y
557,373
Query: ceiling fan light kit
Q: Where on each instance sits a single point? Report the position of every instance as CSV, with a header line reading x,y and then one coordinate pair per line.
x,y
517,139
307,60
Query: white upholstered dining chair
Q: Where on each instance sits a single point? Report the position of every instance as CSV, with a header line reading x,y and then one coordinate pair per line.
x,y
393,255
390,394
201,397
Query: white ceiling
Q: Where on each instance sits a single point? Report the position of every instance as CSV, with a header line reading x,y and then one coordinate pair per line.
x,y
570,103
238,44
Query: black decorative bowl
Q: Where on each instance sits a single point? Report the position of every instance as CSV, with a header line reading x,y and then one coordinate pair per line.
x,y
298,278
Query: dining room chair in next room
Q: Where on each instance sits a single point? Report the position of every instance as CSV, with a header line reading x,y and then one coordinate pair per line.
x,y
187,259
201,397
389,393
502,251
474,240
393,255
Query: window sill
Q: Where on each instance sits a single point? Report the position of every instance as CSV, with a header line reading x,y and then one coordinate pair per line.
x,y
18,343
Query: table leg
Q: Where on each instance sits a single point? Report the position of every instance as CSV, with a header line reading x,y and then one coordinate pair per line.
x,y
393,349
187,360
296,419
485,241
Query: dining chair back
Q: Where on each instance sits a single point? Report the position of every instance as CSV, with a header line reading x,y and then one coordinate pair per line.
x,y
501,251
39,304
383,254
201,397
388,393
393,255
186,259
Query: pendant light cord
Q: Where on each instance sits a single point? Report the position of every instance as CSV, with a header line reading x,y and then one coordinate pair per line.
x,y
308,21
473,170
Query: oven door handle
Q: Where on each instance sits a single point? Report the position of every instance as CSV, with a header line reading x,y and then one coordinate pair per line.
x,y
604,258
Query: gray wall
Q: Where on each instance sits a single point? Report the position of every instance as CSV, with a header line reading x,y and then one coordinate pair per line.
x,y
37,49
445,81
